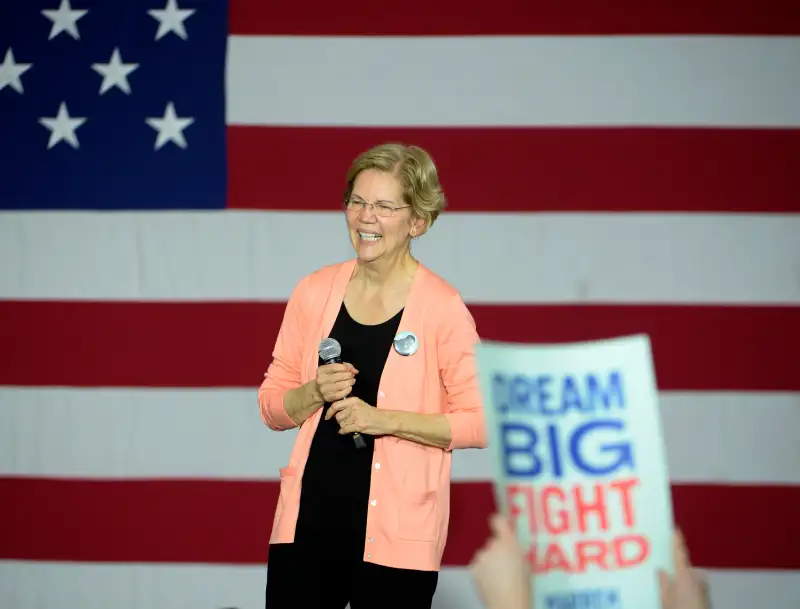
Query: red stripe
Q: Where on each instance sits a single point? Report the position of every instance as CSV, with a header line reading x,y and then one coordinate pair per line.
x,y
515,17
230,344
573,169
202,521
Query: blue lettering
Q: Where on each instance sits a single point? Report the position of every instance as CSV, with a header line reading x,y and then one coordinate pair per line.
x,y
521,394
571,395
598,598
526,462
622,451
546,395
613,390
555,450
499,393
530,451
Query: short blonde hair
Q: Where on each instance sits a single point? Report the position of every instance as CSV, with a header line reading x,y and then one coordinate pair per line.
x,y
416,171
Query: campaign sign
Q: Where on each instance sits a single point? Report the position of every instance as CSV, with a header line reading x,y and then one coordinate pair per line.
x,y
580,468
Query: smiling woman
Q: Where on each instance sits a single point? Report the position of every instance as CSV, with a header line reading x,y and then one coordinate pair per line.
x,y
385,183
367,521
383,231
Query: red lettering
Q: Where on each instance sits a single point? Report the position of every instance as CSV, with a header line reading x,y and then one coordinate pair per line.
x,y
591,551
516,510
638,546
584,507
552,559
624,487
618,553
555,559
561,525
558,511
530,556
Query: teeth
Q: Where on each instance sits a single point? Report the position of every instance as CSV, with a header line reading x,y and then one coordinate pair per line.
x,y
369,236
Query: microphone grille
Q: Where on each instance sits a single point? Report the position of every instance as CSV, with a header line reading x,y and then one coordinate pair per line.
x,y
330,348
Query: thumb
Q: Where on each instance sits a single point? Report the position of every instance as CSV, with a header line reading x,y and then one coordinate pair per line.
x,y
681,552
501,527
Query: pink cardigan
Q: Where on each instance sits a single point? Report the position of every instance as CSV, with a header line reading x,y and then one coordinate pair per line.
x,y
409,504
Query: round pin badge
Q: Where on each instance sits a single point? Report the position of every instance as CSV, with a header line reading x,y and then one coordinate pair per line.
x,y
406,343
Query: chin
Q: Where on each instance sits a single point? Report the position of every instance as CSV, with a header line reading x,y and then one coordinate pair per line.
x,y
367,254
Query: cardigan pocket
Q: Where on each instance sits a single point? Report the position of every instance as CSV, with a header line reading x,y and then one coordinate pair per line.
x,y
418,517
417,471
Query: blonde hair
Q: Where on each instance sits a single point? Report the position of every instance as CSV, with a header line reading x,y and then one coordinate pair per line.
x,y
416,172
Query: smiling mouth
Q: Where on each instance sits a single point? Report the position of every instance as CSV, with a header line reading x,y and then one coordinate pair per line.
x,y
372,237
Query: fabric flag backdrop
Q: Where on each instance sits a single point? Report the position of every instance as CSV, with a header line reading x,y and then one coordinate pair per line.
x,y
171,169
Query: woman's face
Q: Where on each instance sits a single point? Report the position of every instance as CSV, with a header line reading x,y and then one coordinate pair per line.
x,y
373,236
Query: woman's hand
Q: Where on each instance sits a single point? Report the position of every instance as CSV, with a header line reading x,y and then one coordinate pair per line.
x,y
354,415
335,381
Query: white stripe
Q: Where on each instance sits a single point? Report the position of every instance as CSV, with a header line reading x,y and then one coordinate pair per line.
x,y
493,258
133,433
547,80
31,585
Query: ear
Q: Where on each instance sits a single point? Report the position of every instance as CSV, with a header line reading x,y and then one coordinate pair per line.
x,y
417,228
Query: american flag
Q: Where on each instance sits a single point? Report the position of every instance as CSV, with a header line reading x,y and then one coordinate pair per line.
x,y
171,168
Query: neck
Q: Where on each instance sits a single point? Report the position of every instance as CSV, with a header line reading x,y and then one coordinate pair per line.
x,y
378,273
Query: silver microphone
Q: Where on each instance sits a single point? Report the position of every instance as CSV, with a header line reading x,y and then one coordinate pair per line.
x,y
330,352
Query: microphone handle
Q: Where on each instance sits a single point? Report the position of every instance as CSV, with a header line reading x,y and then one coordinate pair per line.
x,y
357,439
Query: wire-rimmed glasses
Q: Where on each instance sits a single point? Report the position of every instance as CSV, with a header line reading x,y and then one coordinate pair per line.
x,y
381,209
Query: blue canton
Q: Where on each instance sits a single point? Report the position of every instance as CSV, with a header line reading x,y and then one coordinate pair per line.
x,y
113,105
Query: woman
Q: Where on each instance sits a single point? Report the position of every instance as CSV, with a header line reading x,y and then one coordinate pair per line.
x,y
368,525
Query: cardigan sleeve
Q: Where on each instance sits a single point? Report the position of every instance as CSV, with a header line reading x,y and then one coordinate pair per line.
x,y
456,342
284,371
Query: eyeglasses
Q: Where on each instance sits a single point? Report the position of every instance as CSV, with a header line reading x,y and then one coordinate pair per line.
x,y
381,209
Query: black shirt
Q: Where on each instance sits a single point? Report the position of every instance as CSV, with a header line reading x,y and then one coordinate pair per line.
x,y
336,480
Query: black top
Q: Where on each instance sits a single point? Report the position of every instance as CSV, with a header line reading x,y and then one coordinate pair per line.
x,y
336,480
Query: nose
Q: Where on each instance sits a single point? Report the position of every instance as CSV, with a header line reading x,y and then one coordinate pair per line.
x,y
363,213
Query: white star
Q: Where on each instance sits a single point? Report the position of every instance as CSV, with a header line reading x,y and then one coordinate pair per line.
x,y
10,72
170,127
170,19
62,127
115,73
64,20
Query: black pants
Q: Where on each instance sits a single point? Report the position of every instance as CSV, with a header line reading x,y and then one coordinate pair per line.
x,y
327,576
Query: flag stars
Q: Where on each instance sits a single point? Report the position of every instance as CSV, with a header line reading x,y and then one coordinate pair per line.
x,y
10,72
65,19
115,73
170,19
62,127
170,127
